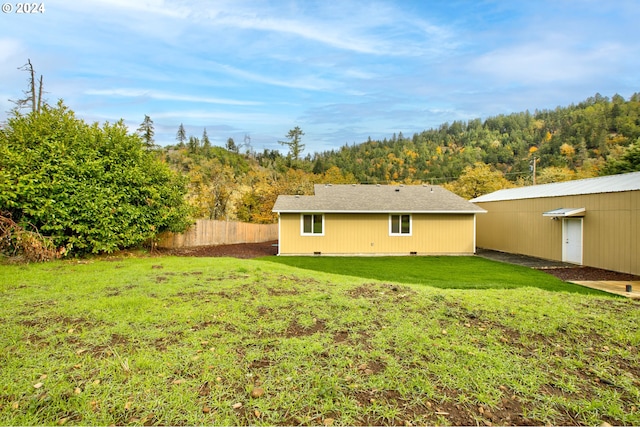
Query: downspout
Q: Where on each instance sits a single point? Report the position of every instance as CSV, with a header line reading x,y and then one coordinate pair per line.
x,y
474,233
279,234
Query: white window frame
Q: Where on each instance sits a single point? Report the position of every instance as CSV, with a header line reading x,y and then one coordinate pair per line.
x,y
313,215
400,233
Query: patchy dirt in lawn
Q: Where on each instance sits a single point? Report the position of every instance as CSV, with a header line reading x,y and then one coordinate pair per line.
x,y
562,270
240,250
588,273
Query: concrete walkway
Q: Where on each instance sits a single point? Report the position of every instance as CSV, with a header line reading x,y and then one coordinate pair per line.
x,y
610,286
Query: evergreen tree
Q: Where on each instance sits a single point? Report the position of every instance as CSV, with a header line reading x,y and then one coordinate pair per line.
x,y
629,162
193,144
181,136
231,146
294,144
206,144
146,132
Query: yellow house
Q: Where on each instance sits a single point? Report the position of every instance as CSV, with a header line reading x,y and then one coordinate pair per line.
x,y
376,220
593,222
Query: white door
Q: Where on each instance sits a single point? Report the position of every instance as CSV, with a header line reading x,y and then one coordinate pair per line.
x,y
572,240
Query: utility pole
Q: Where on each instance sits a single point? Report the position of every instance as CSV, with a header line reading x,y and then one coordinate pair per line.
x,y
247,145
533,169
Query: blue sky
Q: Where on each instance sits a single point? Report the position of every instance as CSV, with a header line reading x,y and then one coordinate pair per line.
x,y
342,71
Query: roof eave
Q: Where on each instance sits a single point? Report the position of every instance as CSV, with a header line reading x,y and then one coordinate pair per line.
x,y
376,211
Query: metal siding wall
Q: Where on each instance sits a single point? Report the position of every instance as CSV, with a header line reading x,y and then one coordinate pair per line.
x,y
368,234
519,227
634,231
611,228
608,232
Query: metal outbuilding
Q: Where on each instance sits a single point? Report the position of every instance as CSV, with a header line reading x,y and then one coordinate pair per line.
x,y
593,222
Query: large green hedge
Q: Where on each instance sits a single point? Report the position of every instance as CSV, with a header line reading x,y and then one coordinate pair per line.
x,y
90,188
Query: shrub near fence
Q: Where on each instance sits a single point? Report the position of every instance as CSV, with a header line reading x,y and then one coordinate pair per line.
x,y
208,232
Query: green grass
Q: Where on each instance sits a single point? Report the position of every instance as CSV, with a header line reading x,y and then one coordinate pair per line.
x,y
175,341
438,271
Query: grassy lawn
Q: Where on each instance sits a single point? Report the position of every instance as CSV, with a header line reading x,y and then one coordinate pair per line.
x,y
221,341
438,271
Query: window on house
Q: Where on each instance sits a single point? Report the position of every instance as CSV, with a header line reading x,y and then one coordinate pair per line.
x,y
313,224
400,225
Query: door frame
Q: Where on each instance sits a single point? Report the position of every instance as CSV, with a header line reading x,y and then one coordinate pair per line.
x,y
565,232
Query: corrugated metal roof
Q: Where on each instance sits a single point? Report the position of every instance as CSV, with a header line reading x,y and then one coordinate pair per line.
x,y
377,198
602,184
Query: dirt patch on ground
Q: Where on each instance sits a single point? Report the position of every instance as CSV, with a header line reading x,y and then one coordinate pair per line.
x,y
240,250
588,273
561,270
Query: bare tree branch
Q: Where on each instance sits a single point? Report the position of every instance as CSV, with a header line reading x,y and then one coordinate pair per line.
x,y
31,97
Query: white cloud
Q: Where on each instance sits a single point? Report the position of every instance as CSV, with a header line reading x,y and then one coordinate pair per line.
x,y
165,96
306,82
546,63
262,120
359,74
143,8
368,28
331,36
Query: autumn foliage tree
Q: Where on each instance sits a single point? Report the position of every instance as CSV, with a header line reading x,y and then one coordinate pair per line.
x,y
477,180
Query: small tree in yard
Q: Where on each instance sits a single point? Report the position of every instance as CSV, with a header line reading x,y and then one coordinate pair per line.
x,y
90,189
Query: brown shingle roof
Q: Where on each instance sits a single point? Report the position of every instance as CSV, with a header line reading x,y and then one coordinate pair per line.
x,y
377,198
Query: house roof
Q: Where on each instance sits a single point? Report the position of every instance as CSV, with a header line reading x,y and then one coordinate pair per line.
x,y
354,198
602,184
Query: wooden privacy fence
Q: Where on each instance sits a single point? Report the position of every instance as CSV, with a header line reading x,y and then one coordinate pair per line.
x,y
208,232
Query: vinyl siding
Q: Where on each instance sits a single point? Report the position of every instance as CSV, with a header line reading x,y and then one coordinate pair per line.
x,y
368,234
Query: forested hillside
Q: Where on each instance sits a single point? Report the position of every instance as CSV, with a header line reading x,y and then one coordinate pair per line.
x,y
576,141
595,137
